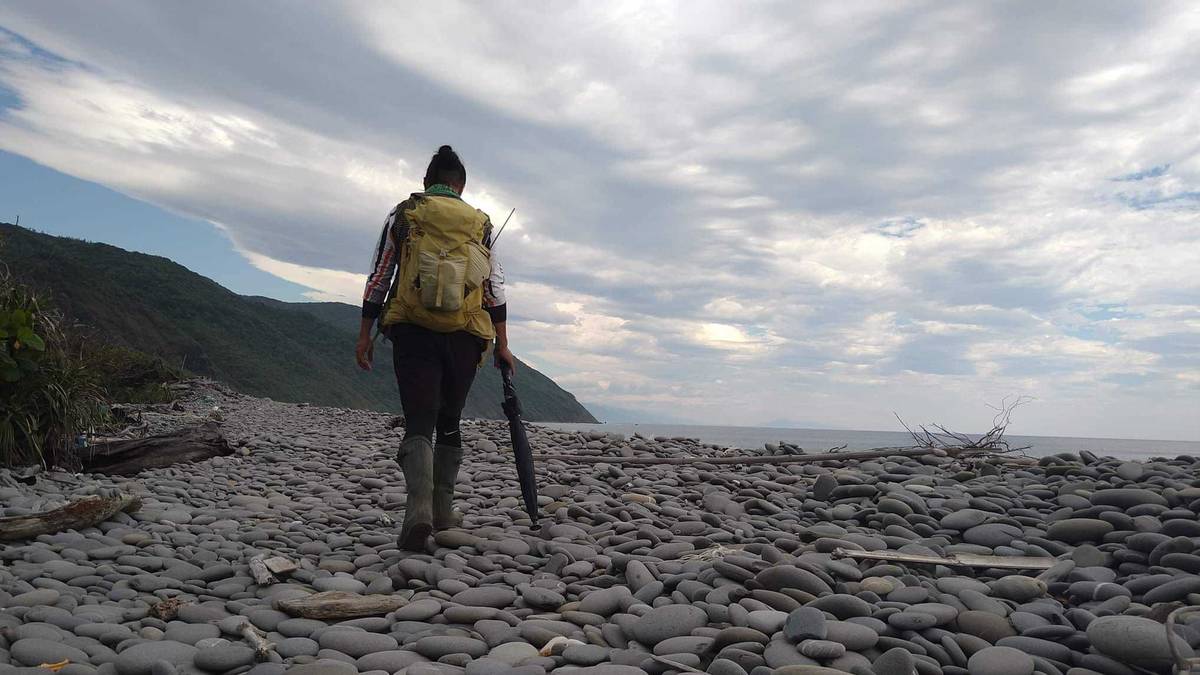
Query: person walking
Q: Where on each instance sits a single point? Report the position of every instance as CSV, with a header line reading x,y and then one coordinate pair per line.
x,y
437,291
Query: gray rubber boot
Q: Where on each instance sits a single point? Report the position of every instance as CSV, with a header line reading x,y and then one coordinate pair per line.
x,y
446,461
416,458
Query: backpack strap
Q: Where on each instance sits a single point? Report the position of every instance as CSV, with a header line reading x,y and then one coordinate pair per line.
x,y
398,220
487,231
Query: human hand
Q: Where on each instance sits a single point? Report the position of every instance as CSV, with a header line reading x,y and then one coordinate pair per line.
x,y
504,358
364,351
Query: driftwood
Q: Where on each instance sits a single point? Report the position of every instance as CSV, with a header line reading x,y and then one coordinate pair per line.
x,y
77,515
1004,562
932,436
340,605
264,569
168,609
258,570
262,648
682,667
124,458
815,458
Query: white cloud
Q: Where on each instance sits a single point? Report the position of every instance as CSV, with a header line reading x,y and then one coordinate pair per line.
x,y
325,285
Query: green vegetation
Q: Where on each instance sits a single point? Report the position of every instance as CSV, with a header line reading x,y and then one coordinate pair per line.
x,y
48,394
285,351
130,376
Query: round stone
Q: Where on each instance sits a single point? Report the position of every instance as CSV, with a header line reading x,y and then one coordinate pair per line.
x,y
139,658
806,623
782,577
965,519
191,633
852,636
917,621
585,655
323,667
669,621
35,598
419,610
878,585
985,625
437,646
497,597
766,620
1000,661
1135,640
391,661
1033,646
223,658
356,643
943,613
299,627
1176,589
889,505
638,575
36,651
542,598
266,619
202,613
339,583
992,535
842,605
290,648
822,649
1018,588
895,661
823,487
1126,498
735,634
1130,470
605,602
457,539
725,667
607,669
1078,530
513,653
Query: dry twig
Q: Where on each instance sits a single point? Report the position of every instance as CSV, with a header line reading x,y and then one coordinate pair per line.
x,y
938,437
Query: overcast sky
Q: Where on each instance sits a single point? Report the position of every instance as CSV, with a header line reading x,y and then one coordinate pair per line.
x,y
731,213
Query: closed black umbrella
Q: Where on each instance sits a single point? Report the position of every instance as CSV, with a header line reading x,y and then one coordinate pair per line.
x,y
520,443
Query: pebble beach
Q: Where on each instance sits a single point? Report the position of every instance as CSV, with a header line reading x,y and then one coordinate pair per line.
x,y
716,568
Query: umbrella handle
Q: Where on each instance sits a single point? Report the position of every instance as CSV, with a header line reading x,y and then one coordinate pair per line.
x,y
512,405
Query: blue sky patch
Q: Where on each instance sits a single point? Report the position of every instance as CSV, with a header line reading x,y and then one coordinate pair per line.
x,y
899,228
1152,172
54,203
1187,200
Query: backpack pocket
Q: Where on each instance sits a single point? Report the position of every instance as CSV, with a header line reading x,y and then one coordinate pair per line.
x,y
441,280
479,265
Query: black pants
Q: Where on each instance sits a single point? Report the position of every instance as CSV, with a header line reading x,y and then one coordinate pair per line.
x,y
434,371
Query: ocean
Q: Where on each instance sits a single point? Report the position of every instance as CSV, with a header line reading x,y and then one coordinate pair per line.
x,y
818,440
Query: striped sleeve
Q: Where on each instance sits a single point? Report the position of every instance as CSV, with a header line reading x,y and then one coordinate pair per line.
x,y
495,300
383,269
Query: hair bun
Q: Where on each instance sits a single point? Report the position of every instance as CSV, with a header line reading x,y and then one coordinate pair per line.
x,y
445,150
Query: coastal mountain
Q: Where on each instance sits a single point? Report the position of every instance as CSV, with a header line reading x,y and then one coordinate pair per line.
x,y
263,347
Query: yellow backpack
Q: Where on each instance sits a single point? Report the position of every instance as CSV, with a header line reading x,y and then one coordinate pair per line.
x,y
443,264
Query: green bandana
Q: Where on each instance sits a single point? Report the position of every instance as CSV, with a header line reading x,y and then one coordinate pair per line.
x,y
442,191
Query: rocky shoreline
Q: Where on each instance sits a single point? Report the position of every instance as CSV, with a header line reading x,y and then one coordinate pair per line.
x,y
725,569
